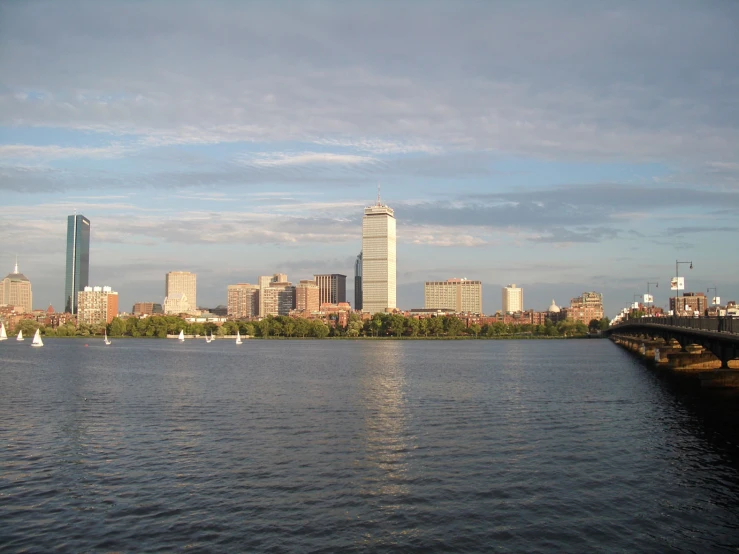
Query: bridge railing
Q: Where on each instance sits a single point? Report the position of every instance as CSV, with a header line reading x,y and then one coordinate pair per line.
x,y
716,324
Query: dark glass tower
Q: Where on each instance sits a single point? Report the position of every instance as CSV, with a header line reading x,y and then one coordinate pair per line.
x,y
78,260
358,283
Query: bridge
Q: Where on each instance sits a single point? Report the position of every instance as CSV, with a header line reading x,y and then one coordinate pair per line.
x,y
714,339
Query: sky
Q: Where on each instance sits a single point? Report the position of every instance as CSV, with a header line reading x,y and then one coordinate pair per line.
x,y
562,146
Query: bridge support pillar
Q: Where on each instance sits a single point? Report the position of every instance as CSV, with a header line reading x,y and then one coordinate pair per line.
x,y
694,359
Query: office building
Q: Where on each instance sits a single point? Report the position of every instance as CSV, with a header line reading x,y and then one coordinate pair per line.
x,y
177,284
96,305
243,300
586,308
147,308
331,287
78,260
689,303
512,299
453,295
276,295
358,283
378,259
307,297
15,290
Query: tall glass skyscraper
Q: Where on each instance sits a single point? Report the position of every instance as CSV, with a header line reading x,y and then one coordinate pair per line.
x,y
78,260
358,283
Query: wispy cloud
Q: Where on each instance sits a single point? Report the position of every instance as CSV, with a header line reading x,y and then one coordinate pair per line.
x,y
281,159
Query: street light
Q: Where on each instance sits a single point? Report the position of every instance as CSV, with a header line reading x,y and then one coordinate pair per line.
x,y
677,285
656,285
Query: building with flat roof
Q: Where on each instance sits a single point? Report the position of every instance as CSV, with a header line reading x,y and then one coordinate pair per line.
x,y
512,299
147,308
689,303
331,288
15,290
587,307
180,283
455,295
379,272
358,283
78,260
96,305
243,300
307,297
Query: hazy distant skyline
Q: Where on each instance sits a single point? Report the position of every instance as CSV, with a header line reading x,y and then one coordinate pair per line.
x,y
563,146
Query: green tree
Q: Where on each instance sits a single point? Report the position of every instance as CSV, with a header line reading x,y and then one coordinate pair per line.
x,y
453,325
319,329
436,326
475,329
117,327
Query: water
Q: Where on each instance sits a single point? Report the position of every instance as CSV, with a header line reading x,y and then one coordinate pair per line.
x,y
338,446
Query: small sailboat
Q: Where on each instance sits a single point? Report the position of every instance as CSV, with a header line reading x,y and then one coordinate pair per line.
x,y
20,336
211,336
238,338
37,339
3,334
107,342
182,336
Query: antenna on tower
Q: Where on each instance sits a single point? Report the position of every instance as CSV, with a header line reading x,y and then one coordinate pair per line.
x,y
16,264
379,203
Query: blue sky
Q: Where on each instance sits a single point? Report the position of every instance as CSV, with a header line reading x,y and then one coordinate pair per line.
x,y
562,146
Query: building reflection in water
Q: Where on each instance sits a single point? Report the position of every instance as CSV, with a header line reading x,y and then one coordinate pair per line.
x,y
388,440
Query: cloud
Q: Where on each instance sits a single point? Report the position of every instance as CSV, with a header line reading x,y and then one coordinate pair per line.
x,y
53,152
279,159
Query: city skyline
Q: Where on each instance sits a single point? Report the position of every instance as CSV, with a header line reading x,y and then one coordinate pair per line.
x,y
583,160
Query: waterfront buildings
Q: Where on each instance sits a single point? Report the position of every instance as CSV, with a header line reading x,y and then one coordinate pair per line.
x,y
689,303
96,305
307,297
243,300
512,299
276,295
15,290
78,260
378,259
586,307
180,292
147,308
331,287
456,295
358,283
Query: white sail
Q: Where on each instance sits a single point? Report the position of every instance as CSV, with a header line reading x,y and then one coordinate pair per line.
x,y
182,336
238,337
3,334
37,339
20,336
106,338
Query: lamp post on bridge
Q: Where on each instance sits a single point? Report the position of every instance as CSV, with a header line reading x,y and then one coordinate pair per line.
x,y
677,283
656,285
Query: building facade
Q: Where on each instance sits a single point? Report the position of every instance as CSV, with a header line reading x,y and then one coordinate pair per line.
x,y
586,307
307,297
147,308
96,305
243,300
512,299
457,295
331,288
689,303
177,283
279,299
379,272
358,283
78,260
15,290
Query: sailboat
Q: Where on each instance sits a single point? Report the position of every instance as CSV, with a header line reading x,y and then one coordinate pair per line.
x,y
3,334
238,337
37,339
182,336
107,342
20,336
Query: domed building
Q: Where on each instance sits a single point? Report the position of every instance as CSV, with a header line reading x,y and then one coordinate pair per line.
x,y
15,290
553,309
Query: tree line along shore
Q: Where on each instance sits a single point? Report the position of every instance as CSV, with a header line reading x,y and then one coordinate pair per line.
x,y
379,326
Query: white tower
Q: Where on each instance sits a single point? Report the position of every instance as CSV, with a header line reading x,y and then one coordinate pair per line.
x,y
378,258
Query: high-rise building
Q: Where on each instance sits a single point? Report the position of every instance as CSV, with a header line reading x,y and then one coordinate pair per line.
x,y
243,300
263,282
15,290
78,260
180,283
586,308
512,299
96,305
279,299
458,295
307,297
378,259
358,283
332,288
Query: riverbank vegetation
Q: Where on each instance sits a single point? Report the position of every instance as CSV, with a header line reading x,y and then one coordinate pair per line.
x,y
380,326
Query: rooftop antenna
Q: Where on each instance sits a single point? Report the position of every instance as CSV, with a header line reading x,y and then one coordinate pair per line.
x,y
16,264
379,203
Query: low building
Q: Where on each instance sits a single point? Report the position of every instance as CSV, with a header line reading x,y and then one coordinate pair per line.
x,y
96,305
689,304
177,303
586,307
147,308
456,295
